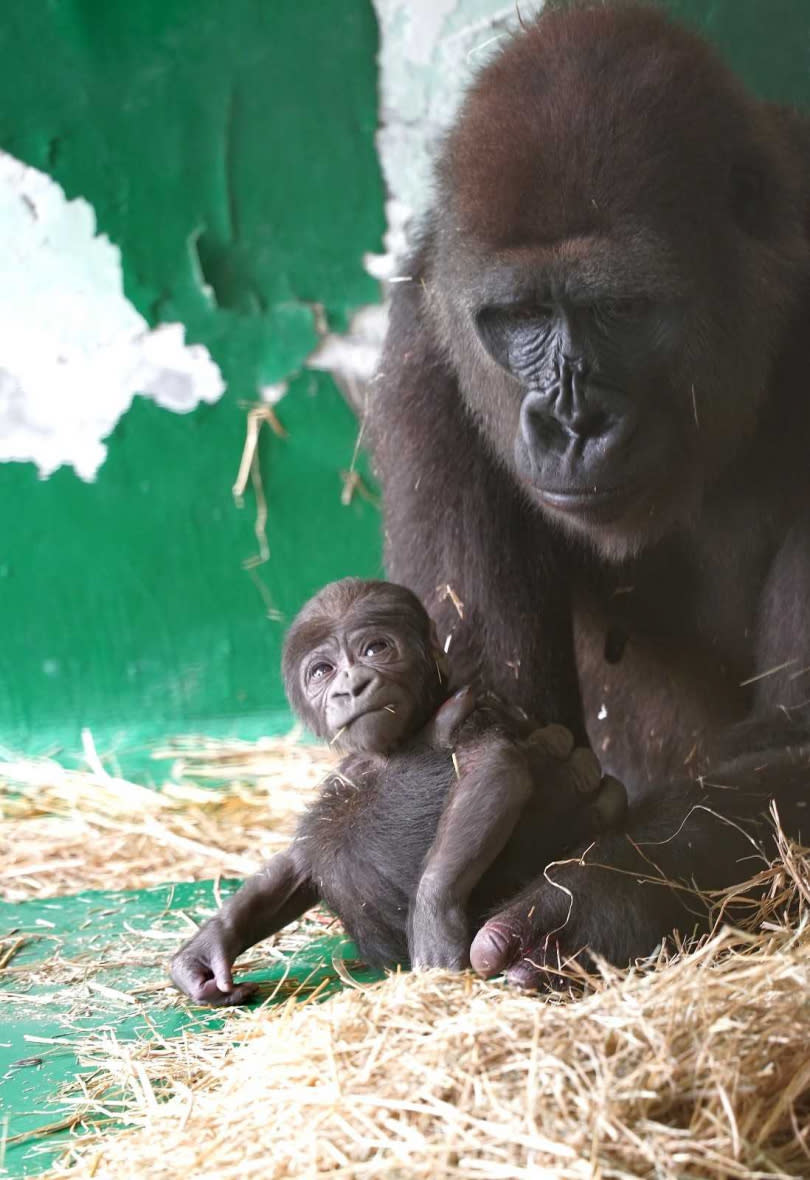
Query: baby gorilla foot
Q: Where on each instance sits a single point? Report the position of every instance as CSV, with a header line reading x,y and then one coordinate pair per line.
x,y
509,946
579,909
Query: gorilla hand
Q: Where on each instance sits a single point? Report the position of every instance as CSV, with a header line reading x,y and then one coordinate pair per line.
x,y
511,799
202,968
620,895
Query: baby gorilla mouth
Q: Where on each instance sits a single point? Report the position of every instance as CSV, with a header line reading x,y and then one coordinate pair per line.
x,y
371,711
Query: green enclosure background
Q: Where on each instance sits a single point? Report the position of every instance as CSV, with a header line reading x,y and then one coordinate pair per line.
x,y
227,144
244,127
221,143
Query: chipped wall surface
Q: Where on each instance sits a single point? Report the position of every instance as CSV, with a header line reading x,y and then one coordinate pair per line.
x,y
203,171
73,349
429,50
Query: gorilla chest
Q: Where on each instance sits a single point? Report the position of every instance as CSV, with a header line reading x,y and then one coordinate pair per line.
x,y
662,656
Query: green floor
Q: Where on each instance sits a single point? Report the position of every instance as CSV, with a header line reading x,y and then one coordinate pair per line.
x,y
53,991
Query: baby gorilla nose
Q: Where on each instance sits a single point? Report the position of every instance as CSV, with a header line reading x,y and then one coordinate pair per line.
x,y
354,682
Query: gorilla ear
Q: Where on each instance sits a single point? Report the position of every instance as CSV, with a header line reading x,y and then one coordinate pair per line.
x,y
750,199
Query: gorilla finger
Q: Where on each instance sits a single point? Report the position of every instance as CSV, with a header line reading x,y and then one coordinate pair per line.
x,y
221,970
610,804
584,771
554,740
452,714
527,975
242,992
189,975
209,993
495,947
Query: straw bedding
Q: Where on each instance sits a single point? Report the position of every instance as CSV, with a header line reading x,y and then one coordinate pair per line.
x,y
63,831
695,1065
698,1069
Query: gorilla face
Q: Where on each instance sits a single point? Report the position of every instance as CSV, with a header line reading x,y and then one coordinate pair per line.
x,y
598,425
609,271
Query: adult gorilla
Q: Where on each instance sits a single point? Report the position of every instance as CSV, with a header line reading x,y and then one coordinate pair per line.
x,y
593,424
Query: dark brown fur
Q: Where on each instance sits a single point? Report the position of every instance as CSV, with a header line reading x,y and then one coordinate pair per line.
x,y
609,154
401,839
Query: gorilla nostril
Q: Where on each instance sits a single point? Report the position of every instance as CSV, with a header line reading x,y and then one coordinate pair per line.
x,y
547,425
542,430
591,423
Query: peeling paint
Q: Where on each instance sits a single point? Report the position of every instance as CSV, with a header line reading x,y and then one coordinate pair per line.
x,y
271,394
352,357
73,349
429,51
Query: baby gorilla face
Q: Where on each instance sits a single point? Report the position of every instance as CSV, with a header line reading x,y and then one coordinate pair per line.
x,y
365,683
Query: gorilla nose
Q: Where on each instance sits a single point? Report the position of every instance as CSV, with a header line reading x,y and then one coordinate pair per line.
x,y
547,427
356,682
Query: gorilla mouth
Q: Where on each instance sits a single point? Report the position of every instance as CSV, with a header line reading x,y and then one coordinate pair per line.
x,y
597,504
371,710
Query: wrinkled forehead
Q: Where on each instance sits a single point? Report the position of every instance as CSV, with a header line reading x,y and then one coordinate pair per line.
x,y
363,619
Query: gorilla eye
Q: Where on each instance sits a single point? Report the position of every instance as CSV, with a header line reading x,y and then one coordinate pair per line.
x,y
625,309
532,313
375,648
319,671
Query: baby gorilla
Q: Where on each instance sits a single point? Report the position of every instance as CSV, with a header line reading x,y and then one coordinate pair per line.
x,y
408,840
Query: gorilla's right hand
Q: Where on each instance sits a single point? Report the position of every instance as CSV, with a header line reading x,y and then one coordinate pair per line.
x,y
202,968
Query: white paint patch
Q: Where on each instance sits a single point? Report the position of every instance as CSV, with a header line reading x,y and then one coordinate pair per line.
x,y
271,394
73,349
429,51
353,356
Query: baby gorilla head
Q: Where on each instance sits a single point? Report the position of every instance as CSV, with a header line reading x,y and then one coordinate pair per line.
x,y
361,665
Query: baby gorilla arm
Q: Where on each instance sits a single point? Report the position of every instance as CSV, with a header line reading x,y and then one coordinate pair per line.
x,y
493,787
279,893
558,790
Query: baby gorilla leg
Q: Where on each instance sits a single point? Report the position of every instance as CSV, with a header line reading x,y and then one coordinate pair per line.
x,y
494,784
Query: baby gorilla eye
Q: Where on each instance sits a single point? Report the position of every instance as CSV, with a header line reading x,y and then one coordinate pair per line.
x,y
375,648
319,671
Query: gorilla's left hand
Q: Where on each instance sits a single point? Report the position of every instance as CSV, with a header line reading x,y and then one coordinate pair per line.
x,y
606,899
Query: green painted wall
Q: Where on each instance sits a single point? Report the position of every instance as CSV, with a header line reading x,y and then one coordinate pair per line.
x,y
246,127
766,41
227,143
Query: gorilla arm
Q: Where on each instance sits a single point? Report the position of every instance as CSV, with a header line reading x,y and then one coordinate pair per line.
x,y
629,890
278,894
621,895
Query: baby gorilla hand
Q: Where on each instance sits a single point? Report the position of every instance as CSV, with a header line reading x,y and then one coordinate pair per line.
x,y
202,969
440,732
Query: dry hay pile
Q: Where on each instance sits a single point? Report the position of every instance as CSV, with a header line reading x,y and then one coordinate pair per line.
x,y
696,1068
63,831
